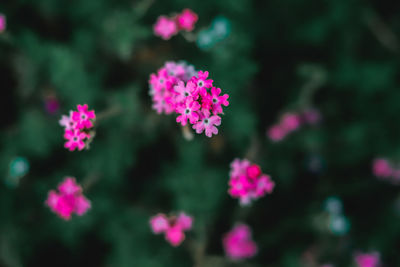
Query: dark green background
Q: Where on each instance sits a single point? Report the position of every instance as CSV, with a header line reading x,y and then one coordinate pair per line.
x,y
101,52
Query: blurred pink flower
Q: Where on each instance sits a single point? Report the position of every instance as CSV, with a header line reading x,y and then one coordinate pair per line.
x,y
165,27
186,20
68,200
238,243
247,182
290,121
172,227
276,133
382,168
159,223
367,259
2,23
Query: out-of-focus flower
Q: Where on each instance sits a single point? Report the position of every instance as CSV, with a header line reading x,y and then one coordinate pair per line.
x,y
186,20
247,182
68,200
238,243
367,259
172,227
165,27
3,23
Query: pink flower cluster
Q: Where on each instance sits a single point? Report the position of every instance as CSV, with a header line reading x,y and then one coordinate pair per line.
x,y
291,121
367,259
383,169
247,182
2,23
238,243
166,27
178,88
173,227
77,126
68,200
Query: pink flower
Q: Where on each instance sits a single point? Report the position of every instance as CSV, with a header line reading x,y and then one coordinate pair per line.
x,y
174,69
75,139
178,88
82,205
290,121
68,200
276,133
238,243
186,20
175,235
264,185
165,27
184,221
172,227
208,124
367,259
188,111
382,168
247,182
202,82
218,100
2,23
253,171
67,122
239,187
239,167
185,91
69,186
159,223
83,117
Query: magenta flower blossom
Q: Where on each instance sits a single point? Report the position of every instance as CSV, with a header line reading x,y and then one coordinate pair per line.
x,y
184,92
186,20
68,122
381,168
75,139
290,121
202,82
178,88
276,133
247,182
77,126
218,100
238,243
159,223
173,227
367,259
68,200
188,111
165,27
208,123
83,117
2,23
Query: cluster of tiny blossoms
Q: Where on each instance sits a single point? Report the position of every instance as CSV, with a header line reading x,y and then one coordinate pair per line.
x,y
247,182
173,227
77,127
291,121
68,200
178,88
367,259
166,27
384,170
238,243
